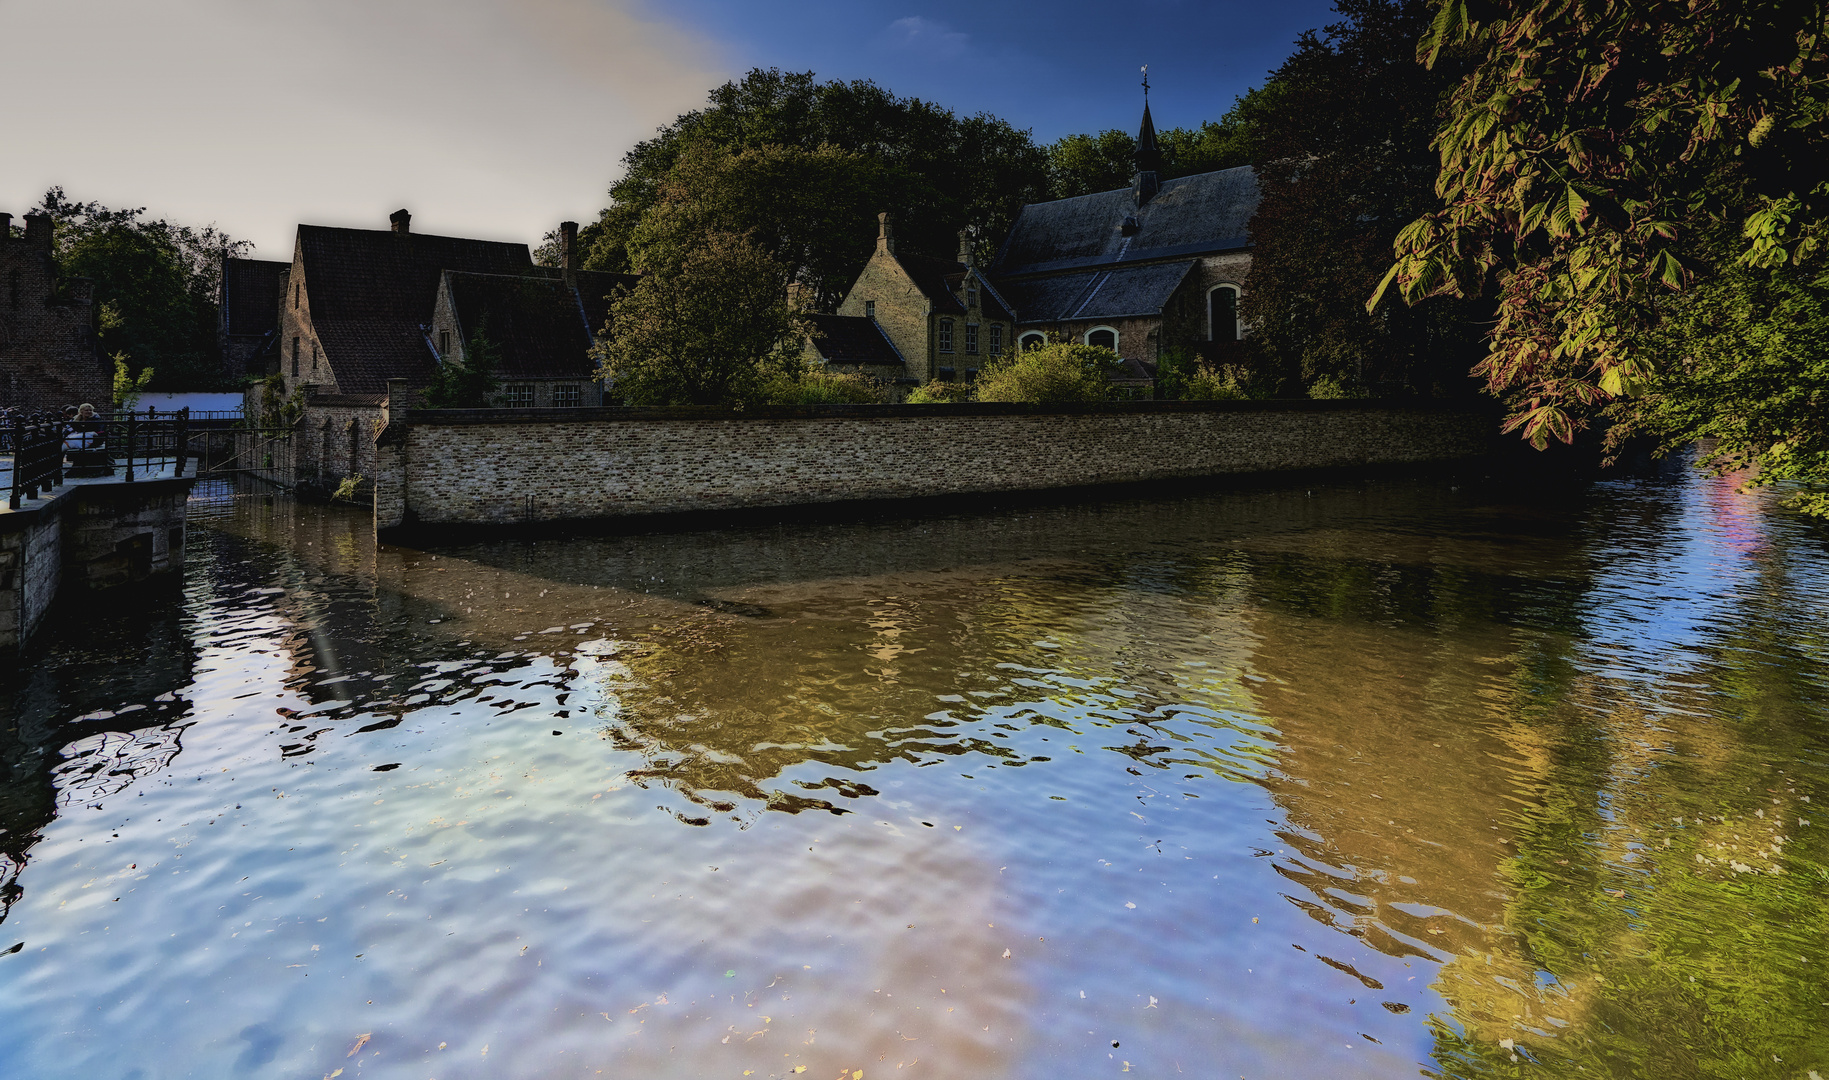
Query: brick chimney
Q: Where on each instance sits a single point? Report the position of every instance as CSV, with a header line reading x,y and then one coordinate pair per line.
x,y
402,221
568,251
885,233
965,248
38,231
6,227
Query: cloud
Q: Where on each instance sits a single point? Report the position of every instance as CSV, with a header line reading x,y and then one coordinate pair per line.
x,y
485,117
923,35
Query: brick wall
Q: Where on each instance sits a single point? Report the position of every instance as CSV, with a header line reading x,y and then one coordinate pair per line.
x,y
502,466
48,353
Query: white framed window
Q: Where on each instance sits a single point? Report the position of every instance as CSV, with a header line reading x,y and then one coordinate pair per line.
x,y
1103,337
1031,341
996,339
1222,313
518,395
567,395
870,309
971,338
946,335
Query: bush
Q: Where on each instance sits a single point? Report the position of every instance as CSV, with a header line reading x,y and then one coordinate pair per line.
x,y
1052,374
1209,383
1328,388
817,387
940,393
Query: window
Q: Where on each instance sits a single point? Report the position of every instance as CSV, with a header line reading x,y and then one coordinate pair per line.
x,y
1103,337
946,335
870,309
1222,313
996,339
971,298
295,358
444,344
1031,341
295,286
314,358
568,396
971,338
518,395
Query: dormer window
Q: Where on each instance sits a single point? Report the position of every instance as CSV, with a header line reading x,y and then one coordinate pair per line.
x,y
946,335
971,298
444,343
870,309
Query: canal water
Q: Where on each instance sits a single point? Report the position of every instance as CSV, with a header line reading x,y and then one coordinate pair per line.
x,y
1371,779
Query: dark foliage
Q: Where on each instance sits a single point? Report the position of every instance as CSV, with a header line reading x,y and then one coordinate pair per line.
x,y
1345,162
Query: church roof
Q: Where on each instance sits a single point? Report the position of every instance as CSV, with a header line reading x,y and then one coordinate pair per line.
x,y
371,291
852,339
1097,294
1194,215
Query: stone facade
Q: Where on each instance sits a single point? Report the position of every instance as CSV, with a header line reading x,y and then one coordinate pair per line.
x,y
496,467
944,318
48,351
93,536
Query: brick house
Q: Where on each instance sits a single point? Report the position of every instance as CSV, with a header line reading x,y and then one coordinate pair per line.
x,y
49,356
939,320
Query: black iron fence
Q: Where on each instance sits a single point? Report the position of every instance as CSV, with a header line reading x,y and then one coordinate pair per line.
x,y
47,450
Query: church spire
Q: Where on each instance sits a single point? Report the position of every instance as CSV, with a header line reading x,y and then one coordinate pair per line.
x,y
1145,183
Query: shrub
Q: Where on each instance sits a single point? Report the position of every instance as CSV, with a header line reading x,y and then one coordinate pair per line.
x,y
817,387
1051,374
1329,388
1209,383
940,393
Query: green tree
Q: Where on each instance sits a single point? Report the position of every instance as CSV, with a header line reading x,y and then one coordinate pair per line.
x,y
469,383
1345,163
936,171
708,326
128,385
1595,161
156,285
1052,374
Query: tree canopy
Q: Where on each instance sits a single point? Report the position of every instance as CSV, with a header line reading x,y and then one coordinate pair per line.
x,y
1088,163
1342,137
1599,159
156,286
936,171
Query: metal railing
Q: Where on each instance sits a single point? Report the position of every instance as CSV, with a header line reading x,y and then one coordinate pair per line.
x,y
48,450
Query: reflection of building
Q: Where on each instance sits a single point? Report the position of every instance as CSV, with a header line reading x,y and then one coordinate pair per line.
x,y
1154,267
48,352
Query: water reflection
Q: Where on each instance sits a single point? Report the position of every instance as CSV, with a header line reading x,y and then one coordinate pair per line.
x,y
1338,782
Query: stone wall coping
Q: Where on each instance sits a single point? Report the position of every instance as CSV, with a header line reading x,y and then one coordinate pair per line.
x,y
616,413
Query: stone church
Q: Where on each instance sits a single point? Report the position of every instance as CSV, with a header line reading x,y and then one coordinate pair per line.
x,y
1159,265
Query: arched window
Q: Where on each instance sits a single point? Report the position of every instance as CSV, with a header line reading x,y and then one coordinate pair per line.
x,y
1103,337
1222,313
1031,341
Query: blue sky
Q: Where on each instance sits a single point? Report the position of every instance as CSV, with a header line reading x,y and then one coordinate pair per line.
x,y
500,118
1057,68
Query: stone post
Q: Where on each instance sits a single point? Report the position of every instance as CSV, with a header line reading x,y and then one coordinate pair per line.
x,y
391,458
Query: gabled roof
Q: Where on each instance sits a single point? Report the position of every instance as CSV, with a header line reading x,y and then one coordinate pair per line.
x,y
536,322
1097,294
371,291
852,339
1195,215
251,295
939,280
595,290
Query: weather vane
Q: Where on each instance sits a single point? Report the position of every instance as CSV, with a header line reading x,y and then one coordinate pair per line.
x,y
1146,80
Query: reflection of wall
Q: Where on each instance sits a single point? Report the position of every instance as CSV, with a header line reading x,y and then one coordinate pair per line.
x,y
445,466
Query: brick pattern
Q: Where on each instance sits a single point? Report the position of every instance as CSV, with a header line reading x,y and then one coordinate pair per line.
x,y
478,468
48,352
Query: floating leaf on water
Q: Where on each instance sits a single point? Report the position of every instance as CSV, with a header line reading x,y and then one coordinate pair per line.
x,y
1128,904
361,1041
730,974
1006,954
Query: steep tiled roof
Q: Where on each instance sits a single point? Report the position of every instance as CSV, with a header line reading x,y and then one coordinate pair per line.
x,y
536,322
1097,294
371,292
940,280
852,339
595,288
250,295
1193,215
